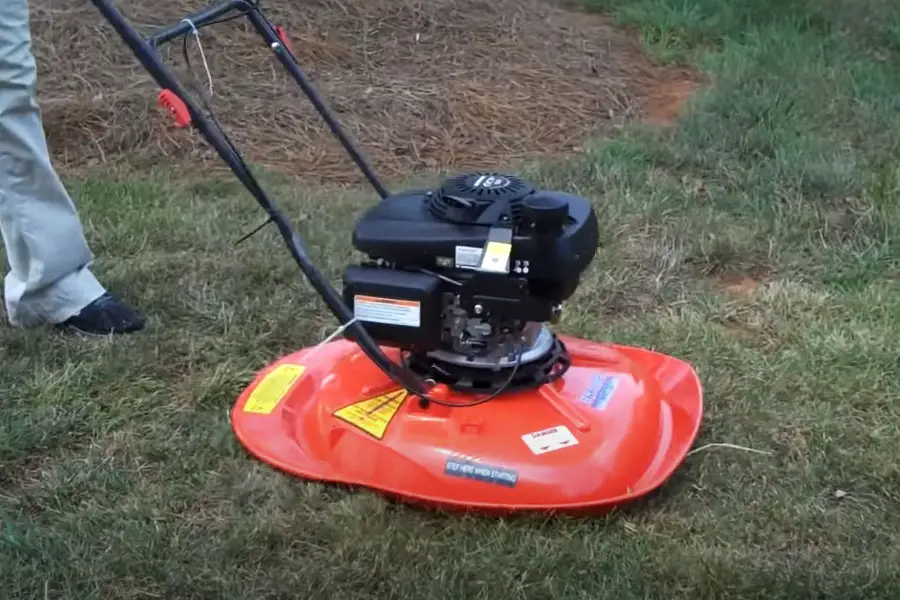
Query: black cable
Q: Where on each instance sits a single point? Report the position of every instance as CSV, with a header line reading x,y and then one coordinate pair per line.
x,y
499,390
194,86
202,96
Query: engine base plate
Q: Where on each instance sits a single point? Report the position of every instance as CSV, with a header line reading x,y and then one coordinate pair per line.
x,y
613,428
546,362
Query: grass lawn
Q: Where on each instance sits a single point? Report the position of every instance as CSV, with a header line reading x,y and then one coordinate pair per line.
x,y
758,238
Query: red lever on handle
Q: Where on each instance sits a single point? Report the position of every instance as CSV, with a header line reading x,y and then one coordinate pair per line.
x,y
176,107
285,40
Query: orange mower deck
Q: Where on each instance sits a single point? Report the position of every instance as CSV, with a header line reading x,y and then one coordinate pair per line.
x,y
613,428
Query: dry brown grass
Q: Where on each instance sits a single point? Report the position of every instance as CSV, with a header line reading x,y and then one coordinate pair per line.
x,y
447,84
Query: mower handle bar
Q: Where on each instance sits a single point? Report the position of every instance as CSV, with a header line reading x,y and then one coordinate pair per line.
x,y
146,53
197,20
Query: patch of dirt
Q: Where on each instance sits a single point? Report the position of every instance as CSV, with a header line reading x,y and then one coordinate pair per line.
x,y
667,102
740,287
442,84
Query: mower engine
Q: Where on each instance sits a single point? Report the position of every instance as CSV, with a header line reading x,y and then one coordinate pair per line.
x,y
465,278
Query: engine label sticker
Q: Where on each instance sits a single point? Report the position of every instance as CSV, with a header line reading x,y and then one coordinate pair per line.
x,y
600,391
467,257
550,439
491,182
389,311
466,469
272,388
496,257
373,415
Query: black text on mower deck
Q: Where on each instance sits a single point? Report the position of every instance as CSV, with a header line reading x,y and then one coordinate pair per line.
x,y
462,278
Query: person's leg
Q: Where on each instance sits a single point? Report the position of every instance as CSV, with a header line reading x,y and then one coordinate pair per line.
x,y
49,278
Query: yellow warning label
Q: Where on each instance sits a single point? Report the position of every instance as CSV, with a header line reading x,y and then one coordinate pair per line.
x,y
374,415
496,257
269,392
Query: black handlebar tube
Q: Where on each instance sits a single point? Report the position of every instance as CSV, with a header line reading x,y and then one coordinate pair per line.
x,y
148,58
196,20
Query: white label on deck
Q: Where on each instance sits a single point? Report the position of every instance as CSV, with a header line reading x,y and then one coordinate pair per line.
x,y
548,440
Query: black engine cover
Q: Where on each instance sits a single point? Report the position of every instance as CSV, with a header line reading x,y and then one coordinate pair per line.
x,y
555,234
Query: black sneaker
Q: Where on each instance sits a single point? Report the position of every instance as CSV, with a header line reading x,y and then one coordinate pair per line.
x,y
104,316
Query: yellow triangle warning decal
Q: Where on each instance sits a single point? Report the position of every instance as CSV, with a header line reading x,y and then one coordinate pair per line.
x,y
373,415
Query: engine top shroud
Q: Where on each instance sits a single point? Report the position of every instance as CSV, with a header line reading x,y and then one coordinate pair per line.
x,y
554,233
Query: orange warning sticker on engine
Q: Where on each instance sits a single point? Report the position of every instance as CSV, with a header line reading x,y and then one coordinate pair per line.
x,y
273,387
374,414
389,311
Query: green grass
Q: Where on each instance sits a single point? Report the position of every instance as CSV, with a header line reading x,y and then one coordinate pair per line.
x,y
120,478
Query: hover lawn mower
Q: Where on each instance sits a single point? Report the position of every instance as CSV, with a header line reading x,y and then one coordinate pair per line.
x,y
447,387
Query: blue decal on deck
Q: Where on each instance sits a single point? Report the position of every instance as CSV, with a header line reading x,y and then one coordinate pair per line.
x,y
479,472
600,391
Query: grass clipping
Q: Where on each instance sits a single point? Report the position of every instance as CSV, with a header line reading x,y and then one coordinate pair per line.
x,y
442,84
